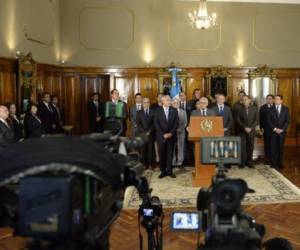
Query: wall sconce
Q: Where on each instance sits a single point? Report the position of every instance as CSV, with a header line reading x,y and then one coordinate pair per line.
x,y
19,54
62,62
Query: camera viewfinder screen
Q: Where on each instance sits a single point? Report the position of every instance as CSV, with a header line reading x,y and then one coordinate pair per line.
x,y
148,212
186,221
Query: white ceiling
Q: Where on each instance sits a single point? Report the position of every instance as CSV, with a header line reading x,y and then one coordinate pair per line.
x,y
251,1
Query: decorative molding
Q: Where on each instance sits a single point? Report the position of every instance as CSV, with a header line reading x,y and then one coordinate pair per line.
x,y
262,71
32,39
218,71
173,46
254,44
108,8
29,38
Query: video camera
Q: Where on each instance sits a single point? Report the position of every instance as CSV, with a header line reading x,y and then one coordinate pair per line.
x,y
220,216
65,192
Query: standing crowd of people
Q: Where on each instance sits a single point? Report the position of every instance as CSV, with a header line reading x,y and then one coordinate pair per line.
x,y
44,118
165,123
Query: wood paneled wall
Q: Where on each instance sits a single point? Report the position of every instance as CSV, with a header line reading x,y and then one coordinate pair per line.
x,y
73,85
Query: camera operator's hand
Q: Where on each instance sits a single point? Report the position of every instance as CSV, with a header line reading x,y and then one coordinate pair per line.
x,y
167,135
248,130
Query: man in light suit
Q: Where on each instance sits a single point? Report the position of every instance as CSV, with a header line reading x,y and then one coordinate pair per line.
x,y
278,120
246,120
179,147
264,125
223,110
166,123
7,135
201,108
133,110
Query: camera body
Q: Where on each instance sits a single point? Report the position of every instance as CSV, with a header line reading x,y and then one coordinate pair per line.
x,y
150,209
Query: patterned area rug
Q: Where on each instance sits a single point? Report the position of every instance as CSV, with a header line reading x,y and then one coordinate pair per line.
x,y
270,187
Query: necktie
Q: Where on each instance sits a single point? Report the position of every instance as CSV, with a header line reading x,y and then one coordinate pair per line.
x,y
182,105
49,107
167,113
146,112
247,111
221,110
278,111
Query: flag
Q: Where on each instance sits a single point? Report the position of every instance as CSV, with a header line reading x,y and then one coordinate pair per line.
x,y
176,88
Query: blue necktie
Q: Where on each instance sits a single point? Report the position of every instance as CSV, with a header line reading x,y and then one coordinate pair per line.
x,y
221,111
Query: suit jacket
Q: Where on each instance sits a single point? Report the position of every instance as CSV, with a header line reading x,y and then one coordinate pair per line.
x,y
182,121
58,118
47,117
236,107
18,128
191,105
93,112
7,135
227,115
163,126
32,126
209,112
246,121
133,112
145,123
263,116
281,122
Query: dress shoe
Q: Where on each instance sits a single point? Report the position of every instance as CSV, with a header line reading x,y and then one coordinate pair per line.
x,y
172,175
161,176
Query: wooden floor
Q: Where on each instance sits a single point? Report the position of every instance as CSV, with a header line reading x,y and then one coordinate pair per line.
x,y
281,220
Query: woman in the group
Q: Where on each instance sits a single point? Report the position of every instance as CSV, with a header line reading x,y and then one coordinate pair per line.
x,y
179,146
32,124
15,121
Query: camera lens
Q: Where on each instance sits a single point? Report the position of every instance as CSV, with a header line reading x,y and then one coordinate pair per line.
x,y
227,195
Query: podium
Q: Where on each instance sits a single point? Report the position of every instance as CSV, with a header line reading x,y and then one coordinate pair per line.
x,y
203,126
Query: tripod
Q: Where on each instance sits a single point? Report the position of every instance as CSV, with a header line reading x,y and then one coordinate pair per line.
x,y
154,233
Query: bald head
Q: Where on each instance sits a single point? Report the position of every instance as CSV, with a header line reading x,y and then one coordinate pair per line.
x,y
3,112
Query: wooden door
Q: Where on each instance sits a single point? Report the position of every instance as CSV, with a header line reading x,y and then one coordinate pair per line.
x,y
90,84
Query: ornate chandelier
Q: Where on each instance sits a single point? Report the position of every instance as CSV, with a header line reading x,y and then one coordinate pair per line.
x,y
200,19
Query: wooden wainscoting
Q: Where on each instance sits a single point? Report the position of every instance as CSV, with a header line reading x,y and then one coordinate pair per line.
x,y
73,86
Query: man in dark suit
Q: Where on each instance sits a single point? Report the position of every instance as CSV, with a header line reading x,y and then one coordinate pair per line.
x,y
158,104
166,122
264,125
58,114
46,114
221,109
133,110
246,119
7,135
191,104
145,125
278,120
94,109
238,105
